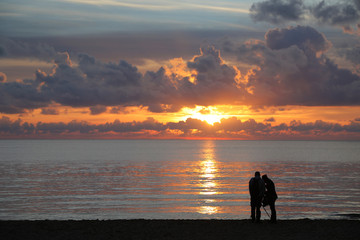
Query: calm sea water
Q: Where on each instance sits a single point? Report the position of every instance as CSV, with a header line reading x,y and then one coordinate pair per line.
x,y
174,179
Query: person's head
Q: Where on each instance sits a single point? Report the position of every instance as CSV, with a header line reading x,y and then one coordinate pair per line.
x,y
257,174
265,177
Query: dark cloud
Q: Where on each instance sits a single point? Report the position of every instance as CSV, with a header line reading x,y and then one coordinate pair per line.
x,y
270,119
7,126
126,127
119,110
305,38
353,55
17,97
112,74
215,81
160,94
98,109
20,49
236,125
91,83
227,128
64,128
339,13
321,127
190,124
292,69
49,111
277,11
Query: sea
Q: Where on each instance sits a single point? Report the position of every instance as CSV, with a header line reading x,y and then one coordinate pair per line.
x,y
175,179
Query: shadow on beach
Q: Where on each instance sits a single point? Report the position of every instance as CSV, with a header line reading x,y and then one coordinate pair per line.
x,y
181,229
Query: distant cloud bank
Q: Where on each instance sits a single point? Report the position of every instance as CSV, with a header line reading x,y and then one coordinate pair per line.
x,y
231,128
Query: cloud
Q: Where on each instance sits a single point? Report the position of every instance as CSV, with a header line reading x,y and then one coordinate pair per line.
x,y
341,13
291,69
353,55
119,110
20,49
270,119
227,128
305,38
215,81
98,109
93,82
7,126
187,127
63,128
204,80
277,11
236,125
49,111
3,77
17,97
150,124
287,68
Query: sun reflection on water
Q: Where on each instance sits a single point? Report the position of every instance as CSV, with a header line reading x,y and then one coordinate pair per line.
x,y
208,210
207,175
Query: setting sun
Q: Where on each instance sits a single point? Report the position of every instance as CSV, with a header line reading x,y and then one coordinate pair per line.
x,y
210,114
210,119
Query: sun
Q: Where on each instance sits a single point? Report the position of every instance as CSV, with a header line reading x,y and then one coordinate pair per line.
x,y
208,114
210,119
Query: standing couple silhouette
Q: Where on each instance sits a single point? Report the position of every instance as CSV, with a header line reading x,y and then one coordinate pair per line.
x,y
262,193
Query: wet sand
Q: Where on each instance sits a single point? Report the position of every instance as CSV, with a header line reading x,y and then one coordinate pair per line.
x,y
181,229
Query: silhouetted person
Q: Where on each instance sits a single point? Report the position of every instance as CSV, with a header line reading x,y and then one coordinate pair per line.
x,y
270,196
257,190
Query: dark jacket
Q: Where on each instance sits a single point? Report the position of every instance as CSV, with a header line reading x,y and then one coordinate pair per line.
x,y
256,188
270,192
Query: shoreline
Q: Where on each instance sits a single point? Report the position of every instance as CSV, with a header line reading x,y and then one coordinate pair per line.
x,y
180,229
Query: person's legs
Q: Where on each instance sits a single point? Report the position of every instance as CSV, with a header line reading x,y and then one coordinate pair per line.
x,y
258,212
253,205
273,211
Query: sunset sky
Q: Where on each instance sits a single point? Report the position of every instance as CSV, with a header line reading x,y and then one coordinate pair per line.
x,y
250,69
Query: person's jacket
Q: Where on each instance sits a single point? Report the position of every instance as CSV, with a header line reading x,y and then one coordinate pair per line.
x,y
270,190
256,187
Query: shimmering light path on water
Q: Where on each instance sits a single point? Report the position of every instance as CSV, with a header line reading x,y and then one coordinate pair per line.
x,y
174,179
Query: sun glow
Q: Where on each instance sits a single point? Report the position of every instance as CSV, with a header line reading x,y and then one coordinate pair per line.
x,y
210,119
210,114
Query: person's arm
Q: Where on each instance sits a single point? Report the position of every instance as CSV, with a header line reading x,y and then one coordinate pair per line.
x,y
250,183
262,188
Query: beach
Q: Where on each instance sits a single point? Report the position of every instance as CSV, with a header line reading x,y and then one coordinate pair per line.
x,y
181,229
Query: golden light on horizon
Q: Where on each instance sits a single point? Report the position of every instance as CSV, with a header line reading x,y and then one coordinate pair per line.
x,y
209,114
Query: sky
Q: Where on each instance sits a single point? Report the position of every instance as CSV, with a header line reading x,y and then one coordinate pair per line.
x,y
162,69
